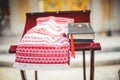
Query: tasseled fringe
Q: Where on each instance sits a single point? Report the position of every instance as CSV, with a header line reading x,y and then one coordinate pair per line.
x,y
24,66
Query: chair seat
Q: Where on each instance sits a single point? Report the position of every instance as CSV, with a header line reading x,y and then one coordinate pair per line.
x,y
78,47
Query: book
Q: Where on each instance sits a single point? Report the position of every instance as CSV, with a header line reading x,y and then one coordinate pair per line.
x,y
80,34
81,31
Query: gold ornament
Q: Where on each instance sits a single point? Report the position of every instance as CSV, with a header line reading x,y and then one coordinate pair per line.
x,y
78,4
52,5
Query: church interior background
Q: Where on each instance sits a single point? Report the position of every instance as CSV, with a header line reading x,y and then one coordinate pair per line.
x,y
104,13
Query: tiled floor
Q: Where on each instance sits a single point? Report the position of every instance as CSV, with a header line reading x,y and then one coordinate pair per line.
x,y
101,73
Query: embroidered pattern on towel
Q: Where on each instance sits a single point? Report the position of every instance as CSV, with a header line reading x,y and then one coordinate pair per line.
x,y
44,44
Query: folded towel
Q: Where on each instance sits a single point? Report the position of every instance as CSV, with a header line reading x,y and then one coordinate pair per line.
x,y
45,46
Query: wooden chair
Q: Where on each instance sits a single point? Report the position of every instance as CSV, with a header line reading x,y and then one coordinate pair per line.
x,y
79,16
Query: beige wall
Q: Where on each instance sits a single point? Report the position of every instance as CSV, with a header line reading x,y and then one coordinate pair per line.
x,y
16,26
96,17
17,14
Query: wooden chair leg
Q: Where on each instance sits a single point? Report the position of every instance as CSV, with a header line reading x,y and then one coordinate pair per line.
x,y
119,73
23,75
84,66
92,65
36,77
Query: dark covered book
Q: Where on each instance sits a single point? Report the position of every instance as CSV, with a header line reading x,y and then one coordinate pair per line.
x,y
81,31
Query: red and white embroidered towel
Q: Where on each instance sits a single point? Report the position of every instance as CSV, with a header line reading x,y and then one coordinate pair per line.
x,y
45,46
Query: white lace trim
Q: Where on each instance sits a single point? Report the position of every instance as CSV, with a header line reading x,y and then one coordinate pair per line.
x,y
24,66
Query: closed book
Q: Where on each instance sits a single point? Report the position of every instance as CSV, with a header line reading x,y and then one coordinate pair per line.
x,y
83,41
81,31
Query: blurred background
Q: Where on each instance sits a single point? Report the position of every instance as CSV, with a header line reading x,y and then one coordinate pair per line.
x,y
105,20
